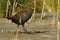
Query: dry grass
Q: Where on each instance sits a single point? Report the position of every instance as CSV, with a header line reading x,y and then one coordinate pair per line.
x,y
59,24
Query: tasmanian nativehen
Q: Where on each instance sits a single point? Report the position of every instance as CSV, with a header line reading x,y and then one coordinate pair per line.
x,y
21,17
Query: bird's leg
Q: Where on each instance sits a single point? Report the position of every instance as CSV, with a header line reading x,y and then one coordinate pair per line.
x,y
24,28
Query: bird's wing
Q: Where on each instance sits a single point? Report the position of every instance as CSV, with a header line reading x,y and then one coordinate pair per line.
x,y
26,15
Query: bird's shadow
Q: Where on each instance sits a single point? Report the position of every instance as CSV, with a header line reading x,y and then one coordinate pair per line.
x,y
29,32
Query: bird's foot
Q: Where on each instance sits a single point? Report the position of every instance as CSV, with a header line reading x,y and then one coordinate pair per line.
x,y
25,30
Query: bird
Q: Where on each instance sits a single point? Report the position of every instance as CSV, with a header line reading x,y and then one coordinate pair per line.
x,y
21,17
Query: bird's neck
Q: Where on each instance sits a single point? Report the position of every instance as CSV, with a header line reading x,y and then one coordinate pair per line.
x,y
8,18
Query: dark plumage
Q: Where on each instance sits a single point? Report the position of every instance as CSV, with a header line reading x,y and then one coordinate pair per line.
x,y
21,17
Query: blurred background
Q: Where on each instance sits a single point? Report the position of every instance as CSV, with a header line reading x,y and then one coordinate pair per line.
x,y
49,6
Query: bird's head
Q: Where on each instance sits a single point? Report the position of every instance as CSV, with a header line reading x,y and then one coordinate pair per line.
x,y
8,18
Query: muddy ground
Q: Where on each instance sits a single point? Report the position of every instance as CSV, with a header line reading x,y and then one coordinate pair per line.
x,y
47,31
